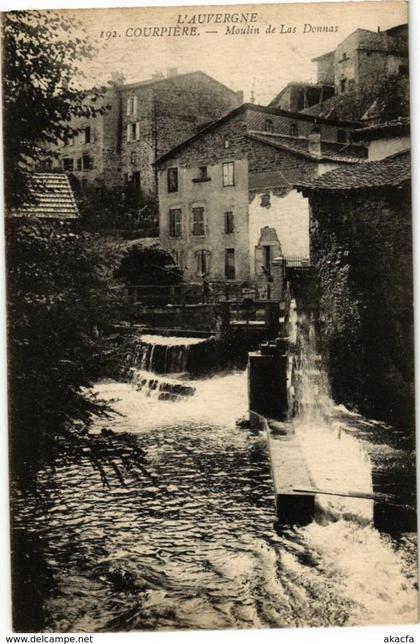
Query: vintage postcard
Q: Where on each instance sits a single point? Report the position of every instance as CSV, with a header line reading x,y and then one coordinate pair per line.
x,y
210,317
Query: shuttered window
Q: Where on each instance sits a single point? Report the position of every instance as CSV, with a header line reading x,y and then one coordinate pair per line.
x,y
202,262
133,132
172,180
229,174
131,105
175,222
198,223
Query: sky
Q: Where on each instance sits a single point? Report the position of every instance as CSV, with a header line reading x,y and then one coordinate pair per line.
x,y
262,63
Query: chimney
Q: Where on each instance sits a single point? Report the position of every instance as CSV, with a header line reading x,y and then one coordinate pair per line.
x,y
117,78
171,71
314,142
157,75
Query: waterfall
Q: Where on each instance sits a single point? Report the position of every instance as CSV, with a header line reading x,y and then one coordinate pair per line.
x,y
167,354
336,460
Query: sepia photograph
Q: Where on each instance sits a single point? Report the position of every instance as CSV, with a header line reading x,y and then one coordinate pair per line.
x,y
210,325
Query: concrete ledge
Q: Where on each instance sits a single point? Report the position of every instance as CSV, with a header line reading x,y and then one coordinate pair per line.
x,y
289,472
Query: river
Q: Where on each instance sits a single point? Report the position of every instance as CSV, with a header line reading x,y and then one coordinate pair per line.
x,y
191,543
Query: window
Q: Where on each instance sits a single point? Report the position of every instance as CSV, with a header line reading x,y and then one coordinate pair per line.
x,y
79,164
229,174
202,262
131,105
341,136
293,129
230,263
226,143
173,180
68,165
175,222
87,135
343,85
133,132
136,181
202,174
267,257
178,255
198,224
268,125
229,223
84,184
69,140
266,200
87,162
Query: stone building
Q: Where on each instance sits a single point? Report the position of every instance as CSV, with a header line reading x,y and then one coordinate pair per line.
x,y
140,122
363,59
296,97
361,250
226,199
352,76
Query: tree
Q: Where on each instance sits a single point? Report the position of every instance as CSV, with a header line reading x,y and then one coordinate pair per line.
x,y
42,75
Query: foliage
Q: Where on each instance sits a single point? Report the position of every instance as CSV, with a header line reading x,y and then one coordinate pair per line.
x,y
61,305
107,207
42,52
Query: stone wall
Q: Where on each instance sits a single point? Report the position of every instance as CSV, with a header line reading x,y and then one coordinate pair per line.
x,y
362,253
169,112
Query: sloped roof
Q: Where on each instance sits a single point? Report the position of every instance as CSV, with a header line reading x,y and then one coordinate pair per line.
x,y
394,171
151,82
300,147
243,108
51,197
396,127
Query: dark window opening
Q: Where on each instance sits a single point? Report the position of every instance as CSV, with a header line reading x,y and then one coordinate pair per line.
x,y
136,181
265,200
230,272
267,257
79,164
173,180
229,223
343,85
268,125
87,136
68,165
293,129
87,163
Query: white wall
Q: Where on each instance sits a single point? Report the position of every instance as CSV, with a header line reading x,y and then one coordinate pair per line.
x,y
383,148
289,215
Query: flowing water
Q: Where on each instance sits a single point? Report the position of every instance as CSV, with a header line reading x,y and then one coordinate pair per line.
x,y
191,542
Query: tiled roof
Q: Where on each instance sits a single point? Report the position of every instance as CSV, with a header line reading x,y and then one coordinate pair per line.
x,y
343,153
51,197
396,127
253,108
393,171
